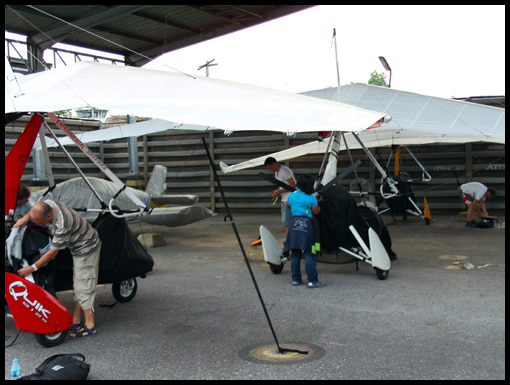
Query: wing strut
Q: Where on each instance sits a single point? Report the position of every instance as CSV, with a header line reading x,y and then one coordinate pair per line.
x,y
142,206
384,174
424,178
103,205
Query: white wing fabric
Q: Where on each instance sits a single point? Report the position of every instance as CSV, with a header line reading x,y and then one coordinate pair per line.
x,y
415,119
181,98
421,119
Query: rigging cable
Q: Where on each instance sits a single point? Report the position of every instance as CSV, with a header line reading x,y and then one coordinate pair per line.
x,y
100,37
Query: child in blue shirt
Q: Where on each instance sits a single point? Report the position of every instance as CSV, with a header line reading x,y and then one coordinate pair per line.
x,y
300,238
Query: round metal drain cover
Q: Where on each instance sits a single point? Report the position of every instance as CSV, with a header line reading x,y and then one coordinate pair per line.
x,y
269,354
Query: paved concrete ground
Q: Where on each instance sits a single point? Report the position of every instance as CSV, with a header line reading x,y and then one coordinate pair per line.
x,y
197,315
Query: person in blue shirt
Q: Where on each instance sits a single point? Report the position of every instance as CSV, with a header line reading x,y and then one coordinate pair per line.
x,y
300,237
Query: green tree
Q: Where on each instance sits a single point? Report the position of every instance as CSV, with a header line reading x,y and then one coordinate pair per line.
x,y
64,113
378,79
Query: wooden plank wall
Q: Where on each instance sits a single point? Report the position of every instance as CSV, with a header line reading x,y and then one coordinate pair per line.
x,y
182,152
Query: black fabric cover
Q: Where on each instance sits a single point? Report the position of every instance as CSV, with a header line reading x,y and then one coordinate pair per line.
x,y
36,238
122,256
339,211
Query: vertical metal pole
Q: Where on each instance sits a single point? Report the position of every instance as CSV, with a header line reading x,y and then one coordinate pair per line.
x,y
286,145
101,150
334,143
134,168
212,189
469,162
145,161
337,70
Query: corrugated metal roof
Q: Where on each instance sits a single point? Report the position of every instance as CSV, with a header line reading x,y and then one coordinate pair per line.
x,y
494,101
148,29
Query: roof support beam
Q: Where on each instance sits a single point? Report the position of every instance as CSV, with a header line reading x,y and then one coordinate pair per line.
x,y
132,36
165,22
48,38
214,13
247,11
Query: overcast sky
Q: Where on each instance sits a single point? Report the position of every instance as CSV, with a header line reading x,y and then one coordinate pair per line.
x,y
445,51
441,51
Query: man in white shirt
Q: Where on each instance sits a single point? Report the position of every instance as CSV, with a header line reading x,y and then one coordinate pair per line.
x,y
474,194
284,174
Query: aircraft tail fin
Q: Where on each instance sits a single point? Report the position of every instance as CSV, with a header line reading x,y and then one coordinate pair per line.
x,y
157,181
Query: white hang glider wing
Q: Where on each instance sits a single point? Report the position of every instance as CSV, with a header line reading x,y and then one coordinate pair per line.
x,y
183,99
416,119
421,119
122,131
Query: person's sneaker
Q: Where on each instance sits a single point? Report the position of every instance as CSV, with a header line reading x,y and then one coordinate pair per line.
x,y
316,284
297,283
472,224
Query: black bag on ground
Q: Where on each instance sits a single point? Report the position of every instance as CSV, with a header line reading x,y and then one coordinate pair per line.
x,y
61,367
486,223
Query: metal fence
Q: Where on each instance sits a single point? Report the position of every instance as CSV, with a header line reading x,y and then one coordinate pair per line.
x,y
183,154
